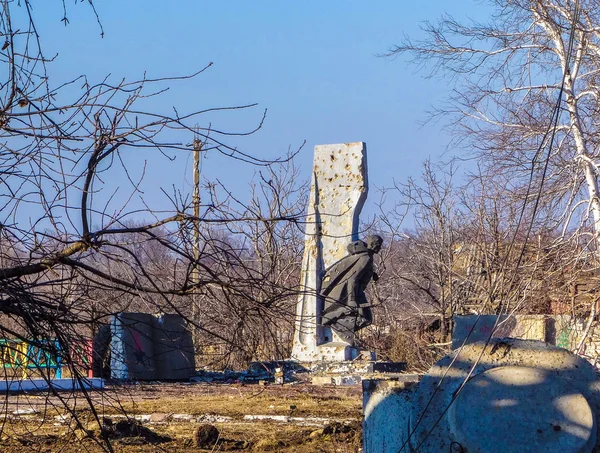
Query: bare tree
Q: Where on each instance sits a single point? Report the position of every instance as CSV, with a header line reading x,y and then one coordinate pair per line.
x,y
464,254
78,239
524,104
424,264
265,253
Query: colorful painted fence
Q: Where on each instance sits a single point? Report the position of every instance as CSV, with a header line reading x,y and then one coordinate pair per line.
x,y
29,357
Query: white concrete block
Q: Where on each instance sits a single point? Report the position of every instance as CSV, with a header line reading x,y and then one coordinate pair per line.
x,y
386,411
58,384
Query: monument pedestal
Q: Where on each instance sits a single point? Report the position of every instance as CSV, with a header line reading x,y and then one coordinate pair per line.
x,y
330,352
353,372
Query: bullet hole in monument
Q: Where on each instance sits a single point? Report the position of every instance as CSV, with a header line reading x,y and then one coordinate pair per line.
x,y
556,428
539,431
332,157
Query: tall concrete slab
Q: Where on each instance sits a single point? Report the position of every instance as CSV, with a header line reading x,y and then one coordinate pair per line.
x,y
173,348
338,191
147,347
132,347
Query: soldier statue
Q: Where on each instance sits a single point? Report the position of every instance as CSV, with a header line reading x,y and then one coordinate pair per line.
x,y
346,309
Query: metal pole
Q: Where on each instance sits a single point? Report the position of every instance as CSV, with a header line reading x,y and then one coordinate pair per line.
x,y
196,242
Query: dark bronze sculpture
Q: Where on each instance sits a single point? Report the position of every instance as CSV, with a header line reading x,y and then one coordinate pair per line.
x,y
343,287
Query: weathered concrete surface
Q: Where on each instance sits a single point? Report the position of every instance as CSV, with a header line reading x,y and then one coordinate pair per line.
x,y
438,387
521,409
358,367
353,372
542,399
173,348
474,328
386,410
338,192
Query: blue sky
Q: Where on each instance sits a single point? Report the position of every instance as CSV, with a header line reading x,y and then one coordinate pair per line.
x,y
312,64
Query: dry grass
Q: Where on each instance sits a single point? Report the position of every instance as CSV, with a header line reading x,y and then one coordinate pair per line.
x,y
42,433
237,401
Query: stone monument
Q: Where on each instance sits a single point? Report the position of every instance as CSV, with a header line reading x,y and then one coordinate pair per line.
x,y
338,191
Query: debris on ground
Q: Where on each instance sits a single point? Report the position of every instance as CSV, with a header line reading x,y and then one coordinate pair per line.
x,y
38,440
206,436
269,445
293,419
276,371
26,411
343,432
130,431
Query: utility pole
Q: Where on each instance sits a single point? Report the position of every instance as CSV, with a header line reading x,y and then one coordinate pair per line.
x,y
197,146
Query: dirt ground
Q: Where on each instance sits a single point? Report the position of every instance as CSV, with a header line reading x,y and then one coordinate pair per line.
x,y
184,417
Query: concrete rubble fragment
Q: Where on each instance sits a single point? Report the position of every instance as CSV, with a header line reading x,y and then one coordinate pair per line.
x,y
302,421
276,371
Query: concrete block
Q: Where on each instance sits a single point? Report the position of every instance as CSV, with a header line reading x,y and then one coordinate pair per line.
x,y
357,367
173,348
386,411
132,348
387,367
474,328
513,396
146,347
352,379
541,399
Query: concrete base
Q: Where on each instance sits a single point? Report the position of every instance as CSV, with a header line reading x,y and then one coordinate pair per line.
x,y
511,396
28,385
336,351
330,352
358,367
386,410
355,372
344,379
